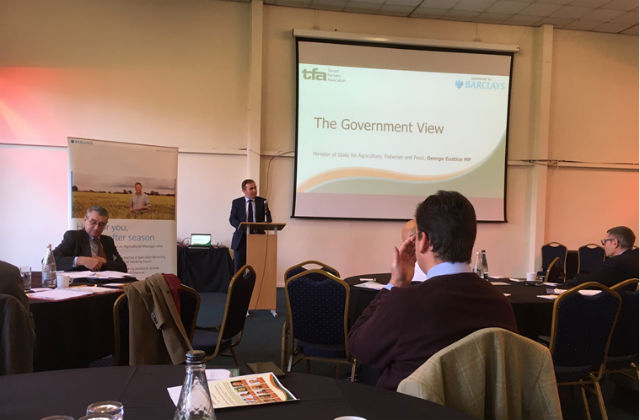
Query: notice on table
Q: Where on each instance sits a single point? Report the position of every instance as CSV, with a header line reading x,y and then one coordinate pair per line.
x,y
260,388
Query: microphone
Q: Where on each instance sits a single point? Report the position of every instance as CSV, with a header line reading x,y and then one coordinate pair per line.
x,y
267,213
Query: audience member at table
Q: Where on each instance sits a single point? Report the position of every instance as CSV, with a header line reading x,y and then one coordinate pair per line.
x,y
409,229
88,248
17,334
621,262
407,323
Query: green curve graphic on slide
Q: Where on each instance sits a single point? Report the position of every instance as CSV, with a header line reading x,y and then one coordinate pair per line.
x,y
486,180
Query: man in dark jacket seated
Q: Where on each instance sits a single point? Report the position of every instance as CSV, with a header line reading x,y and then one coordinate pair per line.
x,y
621,262
408,322
88,248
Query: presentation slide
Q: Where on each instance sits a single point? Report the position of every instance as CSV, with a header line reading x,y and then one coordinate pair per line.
x,y
380,128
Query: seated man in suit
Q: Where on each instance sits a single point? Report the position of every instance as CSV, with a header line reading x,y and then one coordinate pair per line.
x,y
621,262
88,248
408,322
249,208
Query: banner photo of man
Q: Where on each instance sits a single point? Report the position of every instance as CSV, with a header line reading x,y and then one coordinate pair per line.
x,y
136,184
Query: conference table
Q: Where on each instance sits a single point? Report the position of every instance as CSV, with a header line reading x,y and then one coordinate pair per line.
x,y
143,392
74,332
533,314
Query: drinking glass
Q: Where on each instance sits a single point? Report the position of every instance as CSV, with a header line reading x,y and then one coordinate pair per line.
x,y
110,408
25,273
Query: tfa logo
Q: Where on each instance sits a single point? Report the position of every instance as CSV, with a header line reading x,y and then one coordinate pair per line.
x,y
314,74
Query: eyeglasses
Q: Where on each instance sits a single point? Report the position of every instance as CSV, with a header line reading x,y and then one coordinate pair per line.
x,y
604,241
94,222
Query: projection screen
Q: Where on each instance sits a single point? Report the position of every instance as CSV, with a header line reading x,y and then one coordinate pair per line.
x,y
380,127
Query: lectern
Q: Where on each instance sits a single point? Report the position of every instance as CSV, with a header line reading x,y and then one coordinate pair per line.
x,y
262,255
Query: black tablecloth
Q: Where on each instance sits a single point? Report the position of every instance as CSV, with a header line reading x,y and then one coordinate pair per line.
x,y
205,269
533,314
72,333
143,391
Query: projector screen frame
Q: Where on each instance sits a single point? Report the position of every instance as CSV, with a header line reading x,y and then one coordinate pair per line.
x,y
401,43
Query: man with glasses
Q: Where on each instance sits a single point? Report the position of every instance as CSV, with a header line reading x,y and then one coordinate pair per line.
x,y
88,248
621,262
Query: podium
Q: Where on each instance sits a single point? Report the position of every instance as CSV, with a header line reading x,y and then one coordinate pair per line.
x,y
262,255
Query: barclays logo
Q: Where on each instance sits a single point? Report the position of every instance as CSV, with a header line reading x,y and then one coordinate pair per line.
x,y
480,84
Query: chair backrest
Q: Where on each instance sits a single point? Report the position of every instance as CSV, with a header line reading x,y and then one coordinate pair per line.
x,y
17,338
554,272
237,304
590,258
491,373
625,335
309,265
582,326
189,308
552,250
317,308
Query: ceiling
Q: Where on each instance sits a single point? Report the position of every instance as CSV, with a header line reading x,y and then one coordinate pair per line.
x,y
610,16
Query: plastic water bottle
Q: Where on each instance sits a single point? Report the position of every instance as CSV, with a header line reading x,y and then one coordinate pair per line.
x,y
485,266
49,269
477,266
195,400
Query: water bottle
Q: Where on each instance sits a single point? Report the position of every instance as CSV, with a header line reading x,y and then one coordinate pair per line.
x,y
485,266
477,266
195,400
49,269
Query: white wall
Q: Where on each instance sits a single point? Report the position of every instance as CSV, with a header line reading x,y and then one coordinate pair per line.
x,y
176,72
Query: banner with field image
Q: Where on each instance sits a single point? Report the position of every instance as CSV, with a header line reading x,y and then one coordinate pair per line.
x,y
142,222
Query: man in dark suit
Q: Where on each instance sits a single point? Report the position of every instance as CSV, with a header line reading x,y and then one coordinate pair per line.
x,y
249,208
406,324
621,262
88,248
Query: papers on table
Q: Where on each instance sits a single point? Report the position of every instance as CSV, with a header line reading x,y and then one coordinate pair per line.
x,y
260,388
549,297
95,274
516,280
548,283
507,294
500,283
44,293
59,294
370,285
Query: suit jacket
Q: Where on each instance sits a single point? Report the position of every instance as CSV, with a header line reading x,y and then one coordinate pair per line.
x,y
613,270
75,243
156,333
239,215
402,327
483,375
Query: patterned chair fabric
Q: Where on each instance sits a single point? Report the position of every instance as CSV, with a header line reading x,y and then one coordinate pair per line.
x,y
215,340
624,343
590,258
581,331
316,326
552,250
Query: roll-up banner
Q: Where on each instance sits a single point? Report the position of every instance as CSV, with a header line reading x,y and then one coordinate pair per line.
x,y
137,185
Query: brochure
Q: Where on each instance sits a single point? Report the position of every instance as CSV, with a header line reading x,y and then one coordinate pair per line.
x,y
256,389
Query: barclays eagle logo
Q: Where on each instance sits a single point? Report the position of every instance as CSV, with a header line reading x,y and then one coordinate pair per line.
x,y
459,84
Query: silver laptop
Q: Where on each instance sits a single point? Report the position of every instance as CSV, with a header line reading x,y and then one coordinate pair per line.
x,y
200,240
